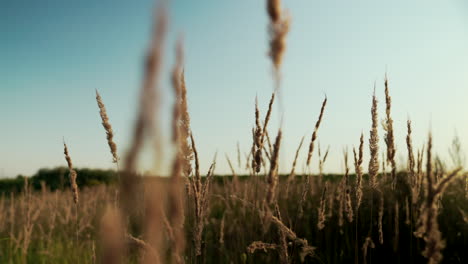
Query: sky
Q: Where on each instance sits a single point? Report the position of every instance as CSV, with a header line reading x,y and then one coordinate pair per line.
x,y
55,53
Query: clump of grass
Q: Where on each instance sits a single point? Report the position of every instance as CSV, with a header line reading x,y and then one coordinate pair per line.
x,y
428,227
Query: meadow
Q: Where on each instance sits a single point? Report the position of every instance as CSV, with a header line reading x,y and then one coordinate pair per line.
x,y
373,213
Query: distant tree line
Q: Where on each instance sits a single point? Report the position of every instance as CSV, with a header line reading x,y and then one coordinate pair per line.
x,y
57,178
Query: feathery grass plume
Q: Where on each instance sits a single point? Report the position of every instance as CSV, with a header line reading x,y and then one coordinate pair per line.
x,y
257,137
183,155
147,107
177,88
267,119
270,146
374,145
322,208
411,162
108,127
358,170
72,175
368,243
389,137
348,202
272,179
184,129
314,134
293,169
181,119
112,237
278,28
380,216
200,198
428,227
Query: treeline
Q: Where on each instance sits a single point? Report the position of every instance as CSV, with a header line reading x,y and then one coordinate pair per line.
x,y
57,178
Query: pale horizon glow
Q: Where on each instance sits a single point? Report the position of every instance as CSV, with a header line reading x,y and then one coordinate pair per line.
x,y
54,54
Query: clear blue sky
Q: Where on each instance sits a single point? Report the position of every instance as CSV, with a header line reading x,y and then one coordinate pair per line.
x,y
54,53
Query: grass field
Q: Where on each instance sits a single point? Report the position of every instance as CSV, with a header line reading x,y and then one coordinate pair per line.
x,y
373,213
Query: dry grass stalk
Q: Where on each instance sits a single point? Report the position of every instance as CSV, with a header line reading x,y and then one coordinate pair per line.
x,y
466,185
257,145
293,169
184,129
411,161
341,200
397,226
72,175
314,134
428,227
368,243
150,254
347,190
380,217
112,237
358,169
305,189
331,200
301,243
272,179
183,154
239,163
221,230
283,243
267,119
389,137
259,245
278,28
176,204
322,208
374,145
108,127
234,174
144,125
176,79
322,161
153,224
407,212
200,196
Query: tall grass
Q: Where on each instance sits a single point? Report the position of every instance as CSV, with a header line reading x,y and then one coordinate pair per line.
x,y
262,217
